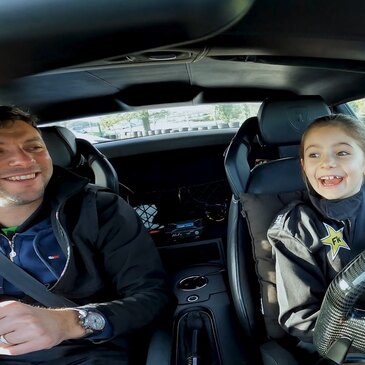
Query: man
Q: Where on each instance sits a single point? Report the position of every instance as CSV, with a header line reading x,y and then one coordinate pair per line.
x,y
82,243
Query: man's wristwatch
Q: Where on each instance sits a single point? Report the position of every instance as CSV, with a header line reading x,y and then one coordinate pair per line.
x,y
90,320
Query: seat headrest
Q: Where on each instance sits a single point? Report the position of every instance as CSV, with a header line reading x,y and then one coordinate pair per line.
x,y
282,122
61,145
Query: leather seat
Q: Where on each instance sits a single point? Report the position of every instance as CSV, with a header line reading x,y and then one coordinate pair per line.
x,y
259,192
73,153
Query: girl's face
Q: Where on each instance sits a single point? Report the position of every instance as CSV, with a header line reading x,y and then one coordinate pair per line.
x,y
333,162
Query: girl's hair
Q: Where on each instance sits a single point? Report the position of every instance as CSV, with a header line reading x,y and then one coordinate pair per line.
x,y
9,114
351,126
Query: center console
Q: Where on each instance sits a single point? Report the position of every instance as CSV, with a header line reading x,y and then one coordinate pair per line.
x,y
204,329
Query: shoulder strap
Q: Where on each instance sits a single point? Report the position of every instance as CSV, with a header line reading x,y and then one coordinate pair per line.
x,y
359,231
90,212
31,286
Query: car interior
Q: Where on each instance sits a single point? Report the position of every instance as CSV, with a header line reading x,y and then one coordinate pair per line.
x,y
206,196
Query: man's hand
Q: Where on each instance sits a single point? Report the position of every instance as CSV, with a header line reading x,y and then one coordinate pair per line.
x,y
29,328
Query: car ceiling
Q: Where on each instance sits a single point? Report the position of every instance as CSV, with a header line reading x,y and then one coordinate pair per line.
x,y
65,60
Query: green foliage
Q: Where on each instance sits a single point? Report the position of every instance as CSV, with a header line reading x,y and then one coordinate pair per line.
x,y
159,114
358,106
108,121
240,112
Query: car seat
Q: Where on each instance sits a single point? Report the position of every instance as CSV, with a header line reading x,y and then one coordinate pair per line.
x,y
261,187
73,153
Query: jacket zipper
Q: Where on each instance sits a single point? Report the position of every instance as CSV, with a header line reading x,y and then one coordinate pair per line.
x,y
64,236
11,242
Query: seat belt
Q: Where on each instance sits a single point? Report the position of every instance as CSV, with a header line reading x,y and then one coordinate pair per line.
x,y
31,286
359,231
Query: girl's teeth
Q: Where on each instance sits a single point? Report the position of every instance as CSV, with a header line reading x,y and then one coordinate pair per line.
x,y
330,177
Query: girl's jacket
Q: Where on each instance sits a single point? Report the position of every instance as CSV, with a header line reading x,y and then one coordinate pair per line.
x,y
312,241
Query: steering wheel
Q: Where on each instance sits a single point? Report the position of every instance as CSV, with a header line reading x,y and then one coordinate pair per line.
x,y
340,325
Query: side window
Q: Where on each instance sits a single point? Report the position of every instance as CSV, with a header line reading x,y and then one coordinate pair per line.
x,y
358,107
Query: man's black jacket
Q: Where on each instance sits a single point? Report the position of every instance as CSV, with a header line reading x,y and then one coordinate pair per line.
x,y
112,263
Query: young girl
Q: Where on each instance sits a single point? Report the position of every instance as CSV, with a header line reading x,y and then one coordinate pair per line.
x,y
314,240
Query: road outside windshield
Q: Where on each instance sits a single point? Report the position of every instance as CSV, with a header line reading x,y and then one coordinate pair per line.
x,y
151,122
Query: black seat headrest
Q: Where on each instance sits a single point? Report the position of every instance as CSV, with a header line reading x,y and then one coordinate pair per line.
x,y
70,152
282,122
61,145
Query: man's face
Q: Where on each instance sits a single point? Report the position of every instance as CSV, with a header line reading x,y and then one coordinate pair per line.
x,y
333,162
25,165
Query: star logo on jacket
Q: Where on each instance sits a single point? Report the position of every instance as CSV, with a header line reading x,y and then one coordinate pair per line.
x,y
335,240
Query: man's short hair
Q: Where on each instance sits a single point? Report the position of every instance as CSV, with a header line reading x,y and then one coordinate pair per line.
x,y
13,113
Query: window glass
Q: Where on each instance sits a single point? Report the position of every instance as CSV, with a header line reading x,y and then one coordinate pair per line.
x,y
358,107
160,121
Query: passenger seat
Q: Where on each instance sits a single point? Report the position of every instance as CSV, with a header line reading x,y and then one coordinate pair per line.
x,y
258,195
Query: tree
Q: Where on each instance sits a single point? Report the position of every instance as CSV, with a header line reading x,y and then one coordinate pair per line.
x,y
358,107
144,115
109,121
158,114
228,112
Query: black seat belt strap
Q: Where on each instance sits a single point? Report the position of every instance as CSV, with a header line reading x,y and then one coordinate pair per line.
x,y
31,286
359,229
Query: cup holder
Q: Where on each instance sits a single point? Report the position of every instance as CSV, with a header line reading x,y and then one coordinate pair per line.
x,y
192,283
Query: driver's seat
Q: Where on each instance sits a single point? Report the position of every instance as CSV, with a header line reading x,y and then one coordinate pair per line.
x,y
258,195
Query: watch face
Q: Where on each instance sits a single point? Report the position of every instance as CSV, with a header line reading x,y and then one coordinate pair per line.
x,y
94,321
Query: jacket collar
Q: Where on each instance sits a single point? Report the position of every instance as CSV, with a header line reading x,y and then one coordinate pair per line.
x,y
338,209
61,186
64,184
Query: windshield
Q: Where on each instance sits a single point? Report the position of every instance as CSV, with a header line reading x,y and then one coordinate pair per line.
x,y
151,122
